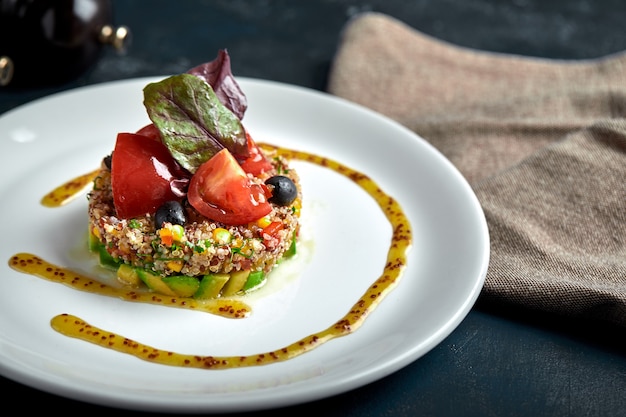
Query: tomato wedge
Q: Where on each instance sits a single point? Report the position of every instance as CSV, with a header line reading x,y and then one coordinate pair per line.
x,y
150,131
256,163
143,175
221,191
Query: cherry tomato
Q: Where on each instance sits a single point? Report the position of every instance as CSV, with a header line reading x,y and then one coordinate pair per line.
x,y
221,191
143,175
256,163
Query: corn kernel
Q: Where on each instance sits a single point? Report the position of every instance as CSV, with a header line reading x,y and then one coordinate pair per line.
x,y
263,222
222,236
175,266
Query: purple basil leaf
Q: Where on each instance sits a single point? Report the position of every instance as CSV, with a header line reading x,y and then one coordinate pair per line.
x,y
219,76
193,122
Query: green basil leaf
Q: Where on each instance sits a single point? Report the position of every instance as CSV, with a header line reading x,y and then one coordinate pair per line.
x,y
194,124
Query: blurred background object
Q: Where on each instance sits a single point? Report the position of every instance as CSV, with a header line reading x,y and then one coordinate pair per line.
x,y
47,42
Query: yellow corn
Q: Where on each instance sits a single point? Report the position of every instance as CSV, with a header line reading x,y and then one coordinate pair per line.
x,y
175,266
263,222
222,236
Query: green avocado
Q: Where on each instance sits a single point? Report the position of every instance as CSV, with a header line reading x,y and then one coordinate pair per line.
x,y
210,286
94,243
255,280
155,283
106,260
235,283
292,249
182,285
128,275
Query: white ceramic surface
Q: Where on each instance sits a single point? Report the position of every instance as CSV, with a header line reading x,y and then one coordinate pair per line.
x,y
52,140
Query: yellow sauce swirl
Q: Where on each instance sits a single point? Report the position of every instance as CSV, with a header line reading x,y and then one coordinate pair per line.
x,y
75,327
34,265
63,194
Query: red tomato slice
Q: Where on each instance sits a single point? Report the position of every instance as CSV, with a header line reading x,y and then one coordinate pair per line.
x,y
150,131
221,191
142,173
256,163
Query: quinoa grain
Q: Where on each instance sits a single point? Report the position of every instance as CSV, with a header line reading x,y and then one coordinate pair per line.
x,y
200,250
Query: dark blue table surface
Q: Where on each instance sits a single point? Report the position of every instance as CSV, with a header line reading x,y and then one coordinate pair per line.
x,y
497,362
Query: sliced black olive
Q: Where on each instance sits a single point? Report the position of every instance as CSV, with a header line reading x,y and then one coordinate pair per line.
x,y
171,212
284,191
107,161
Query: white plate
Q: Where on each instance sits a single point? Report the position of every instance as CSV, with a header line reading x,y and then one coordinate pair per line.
x,y
54,139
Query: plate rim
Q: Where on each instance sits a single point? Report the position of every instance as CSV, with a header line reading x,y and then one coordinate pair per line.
x,y
72,392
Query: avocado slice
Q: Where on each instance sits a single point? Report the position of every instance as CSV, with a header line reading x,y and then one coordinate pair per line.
x,y
292,248
235,283
255,280
106,260
94,243
210,286
128,275
182,285
155,282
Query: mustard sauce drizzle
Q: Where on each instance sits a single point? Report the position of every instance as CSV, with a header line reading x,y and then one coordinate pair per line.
x,y
34,265
73,326
63,194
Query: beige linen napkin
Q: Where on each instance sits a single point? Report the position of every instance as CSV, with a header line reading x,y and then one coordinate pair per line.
x,y
542,143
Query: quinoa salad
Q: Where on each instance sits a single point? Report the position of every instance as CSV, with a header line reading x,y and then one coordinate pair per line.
x,y
190,205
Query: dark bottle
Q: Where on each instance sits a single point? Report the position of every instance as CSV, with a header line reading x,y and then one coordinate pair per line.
x,y
45,42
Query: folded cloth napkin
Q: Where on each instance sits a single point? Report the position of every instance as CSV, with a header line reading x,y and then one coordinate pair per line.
x,y
542,143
